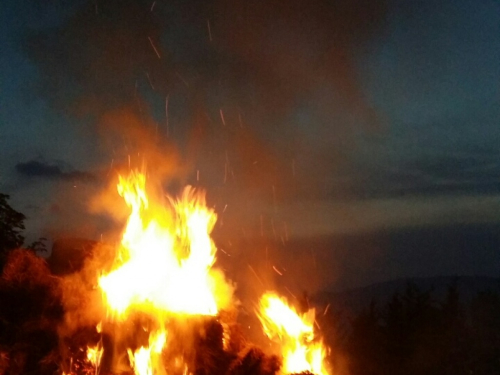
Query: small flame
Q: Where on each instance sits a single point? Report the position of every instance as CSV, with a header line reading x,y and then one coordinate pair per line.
x,y
94,356
301,351
145,359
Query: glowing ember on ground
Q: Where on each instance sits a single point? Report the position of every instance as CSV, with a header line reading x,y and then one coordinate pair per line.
x,y
301,350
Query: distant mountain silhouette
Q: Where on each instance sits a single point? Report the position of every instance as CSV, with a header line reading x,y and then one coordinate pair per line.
x,y
352,301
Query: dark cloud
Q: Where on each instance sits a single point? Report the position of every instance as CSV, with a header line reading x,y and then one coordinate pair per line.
x,y
41,169
436,175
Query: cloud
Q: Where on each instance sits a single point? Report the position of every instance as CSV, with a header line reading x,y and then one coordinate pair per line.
x,y
41,169
370,216
433,174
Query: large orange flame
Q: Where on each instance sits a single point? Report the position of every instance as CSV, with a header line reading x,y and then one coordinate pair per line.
x,y
301,350
163,266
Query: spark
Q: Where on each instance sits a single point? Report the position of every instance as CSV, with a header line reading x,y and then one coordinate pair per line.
x,y
276,270
209,30
152,45
111,166
274,199
317,324
222,117
326,309
239,118
149,79
226,165
153,5
166,113
198,175
182,79
289,291
257,276
225,252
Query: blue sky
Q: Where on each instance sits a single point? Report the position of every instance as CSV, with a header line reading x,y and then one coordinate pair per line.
x,y
435,77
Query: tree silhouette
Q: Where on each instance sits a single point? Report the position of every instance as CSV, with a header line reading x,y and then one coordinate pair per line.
x,y
485,329
366,341
410,329
413,334
38,246
11,227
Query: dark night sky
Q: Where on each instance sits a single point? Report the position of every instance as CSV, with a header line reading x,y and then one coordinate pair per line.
x,y
330,118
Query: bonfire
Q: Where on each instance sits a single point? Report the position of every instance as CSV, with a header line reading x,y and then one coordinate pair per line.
x,y
156,303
